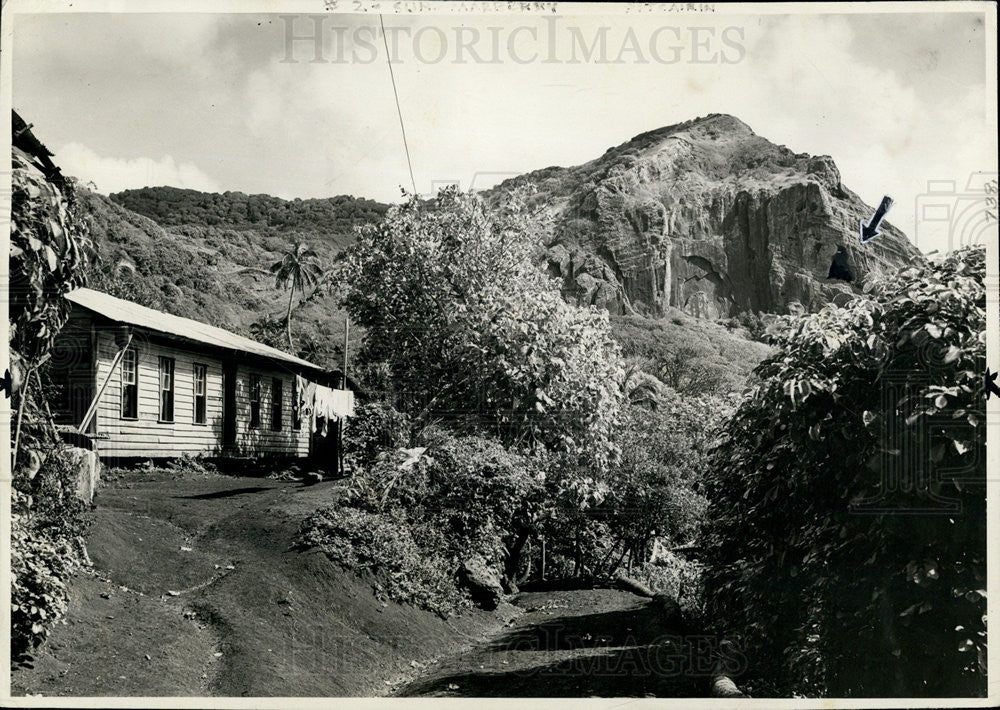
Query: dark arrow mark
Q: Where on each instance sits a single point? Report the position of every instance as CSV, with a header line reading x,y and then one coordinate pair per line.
x,y
990,381
870,231
840,267
6,385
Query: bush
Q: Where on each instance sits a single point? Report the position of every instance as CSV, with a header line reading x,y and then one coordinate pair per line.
x,y
654,494
46,522
479,495
680,578
376,426
465,497
381,543
847,507
49,254
40,566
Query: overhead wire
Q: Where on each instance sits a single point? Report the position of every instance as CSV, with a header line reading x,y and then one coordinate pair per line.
x,y
399,111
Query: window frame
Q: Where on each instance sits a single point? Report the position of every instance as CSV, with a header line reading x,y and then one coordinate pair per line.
x,y
199,375
171,365
124,386
277,403
296,406
253,396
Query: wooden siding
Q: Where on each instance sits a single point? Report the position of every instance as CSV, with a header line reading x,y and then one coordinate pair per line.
x,y
146,436
287,441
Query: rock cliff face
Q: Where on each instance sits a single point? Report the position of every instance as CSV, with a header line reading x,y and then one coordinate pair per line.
x,y
708,217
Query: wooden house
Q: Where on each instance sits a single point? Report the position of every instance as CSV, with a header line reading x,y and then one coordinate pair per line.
x,y
140,383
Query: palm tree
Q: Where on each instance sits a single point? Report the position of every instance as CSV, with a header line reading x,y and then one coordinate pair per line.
x,y
297,269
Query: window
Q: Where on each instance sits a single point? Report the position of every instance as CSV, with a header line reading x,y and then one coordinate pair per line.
x,y
277,392
166,389
254,401
200,393
130,384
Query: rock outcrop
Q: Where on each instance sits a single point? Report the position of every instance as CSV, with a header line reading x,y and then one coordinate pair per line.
x,y
708,217
482,583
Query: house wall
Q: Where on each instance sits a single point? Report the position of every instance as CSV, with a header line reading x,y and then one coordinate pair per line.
x,y
262,440
146,436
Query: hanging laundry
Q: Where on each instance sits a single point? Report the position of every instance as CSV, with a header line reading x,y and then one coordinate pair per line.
x,y
306,395
330,405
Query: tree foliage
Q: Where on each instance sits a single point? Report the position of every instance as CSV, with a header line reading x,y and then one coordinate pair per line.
x,y
49,253
177,206
847,505
453,300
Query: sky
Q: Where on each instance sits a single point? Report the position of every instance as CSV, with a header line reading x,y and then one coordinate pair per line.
x,y
220,102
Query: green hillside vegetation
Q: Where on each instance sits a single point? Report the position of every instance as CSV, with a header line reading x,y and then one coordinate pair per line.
x,y
333,218
202,256
691,355
205,256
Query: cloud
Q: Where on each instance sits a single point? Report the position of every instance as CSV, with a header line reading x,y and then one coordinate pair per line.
x,y
115,174
887,138
822,84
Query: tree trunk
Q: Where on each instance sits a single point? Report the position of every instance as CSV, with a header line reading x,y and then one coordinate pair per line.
x,y
577,555
513,560
527,571
288,317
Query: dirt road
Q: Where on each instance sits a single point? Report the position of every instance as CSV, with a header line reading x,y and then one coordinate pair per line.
x,y
590,642
197,590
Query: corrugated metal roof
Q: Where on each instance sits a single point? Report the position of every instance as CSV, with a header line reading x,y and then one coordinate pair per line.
x,y
122,311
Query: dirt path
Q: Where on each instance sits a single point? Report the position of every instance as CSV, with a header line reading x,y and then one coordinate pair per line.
x,y
197,590
596,642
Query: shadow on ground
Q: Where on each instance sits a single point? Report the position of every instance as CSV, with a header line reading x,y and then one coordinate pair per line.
x,y
625,651
225,494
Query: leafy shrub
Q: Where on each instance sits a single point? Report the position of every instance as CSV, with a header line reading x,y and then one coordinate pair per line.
x,y
376,425
381,543
40,566
49,253
679,577
478,494
465,497
654,493
753,323
46,522
818,556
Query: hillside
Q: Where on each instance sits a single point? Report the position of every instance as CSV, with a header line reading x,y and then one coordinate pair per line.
x,y
331,220
708,217
186,252
196,590
703,217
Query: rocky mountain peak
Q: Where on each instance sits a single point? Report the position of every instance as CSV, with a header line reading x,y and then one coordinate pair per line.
x,y
711,218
